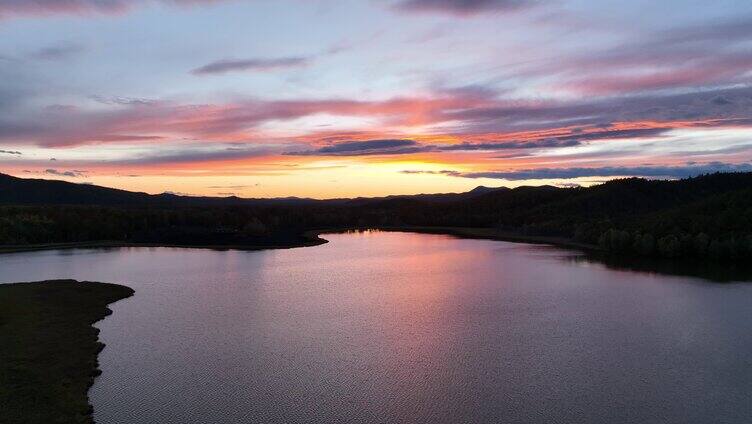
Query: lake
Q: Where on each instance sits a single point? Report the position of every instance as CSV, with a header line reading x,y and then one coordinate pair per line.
x,y
389,327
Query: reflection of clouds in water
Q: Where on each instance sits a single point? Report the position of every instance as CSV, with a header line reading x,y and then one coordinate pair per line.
x,y
404,327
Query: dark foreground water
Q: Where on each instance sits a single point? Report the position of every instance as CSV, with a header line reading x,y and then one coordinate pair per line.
x,y
408,328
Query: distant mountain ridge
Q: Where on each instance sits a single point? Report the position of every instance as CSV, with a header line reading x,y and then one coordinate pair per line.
x,y
29,191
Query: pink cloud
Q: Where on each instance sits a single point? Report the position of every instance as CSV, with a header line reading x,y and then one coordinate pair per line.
x,y
721,69
19,8
470,121
144,121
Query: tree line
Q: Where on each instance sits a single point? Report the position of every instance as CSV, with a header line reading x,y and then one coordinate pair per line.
x,y
703,217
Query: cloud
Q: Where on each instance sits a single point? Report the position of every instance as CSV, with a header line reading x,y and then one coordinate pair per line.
x,y
231,187
175,156
461,7
736,28
609,171
545,143
481,120
123,101
52,127
399,146
73,173
568,185
10,152
366,147
51,7
572,138
31,8
712,54
195,154
58,51
698,106
723,68
256,65
442,172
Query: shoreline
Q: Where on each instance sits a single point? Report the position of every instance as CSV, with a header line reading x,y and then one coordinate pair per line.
x,y
308,242
50,354
480,233
311,238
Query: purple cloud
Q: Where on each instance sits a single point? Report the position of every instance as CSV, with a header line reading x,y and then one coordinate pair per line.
x,y
708,55
700,106
442,172
401,147
461,7
574,139
258,65
190,155
404,147
58,51
485,124
73,173
366,148
608,171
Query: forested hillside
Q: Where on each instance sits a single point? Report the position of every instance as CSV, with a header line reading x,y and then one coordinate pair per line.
x,y
706,217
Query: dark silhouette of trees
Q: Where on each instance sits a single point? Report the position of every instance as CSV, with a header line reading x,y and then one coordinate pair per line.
x,y
708,217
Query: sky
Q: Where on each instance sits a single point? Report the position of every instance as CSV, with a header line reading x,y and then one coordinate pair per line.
x,y
330,98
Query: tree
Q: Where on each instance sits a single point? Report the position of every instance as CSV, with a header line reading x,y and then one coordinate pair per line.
x,y
254,227
700,244
644,244
669,246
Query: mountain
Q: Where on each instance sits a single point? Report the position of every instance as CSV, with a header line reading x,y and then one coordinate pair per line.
x,y
27,191
36,191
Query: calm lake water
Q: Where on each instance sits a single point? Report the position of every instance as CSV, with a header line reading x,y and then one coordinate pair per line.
x,y
408,328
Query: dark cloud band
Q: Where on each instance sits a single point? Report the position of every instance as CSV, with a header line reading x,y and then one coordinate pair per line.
x,y
258,65
366,148
617,171
461,7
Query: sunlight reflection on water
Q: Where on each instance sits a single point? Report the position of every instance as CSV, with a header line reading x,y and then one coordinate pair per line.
x,y
400,327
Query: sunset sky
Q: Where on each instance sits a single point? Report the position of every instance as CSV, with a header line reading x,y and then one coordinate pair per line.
x,y
331,98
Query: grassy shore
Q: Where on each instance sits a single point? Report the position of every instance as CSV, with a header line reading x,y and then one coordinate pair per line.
x,y
48,348
308,239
